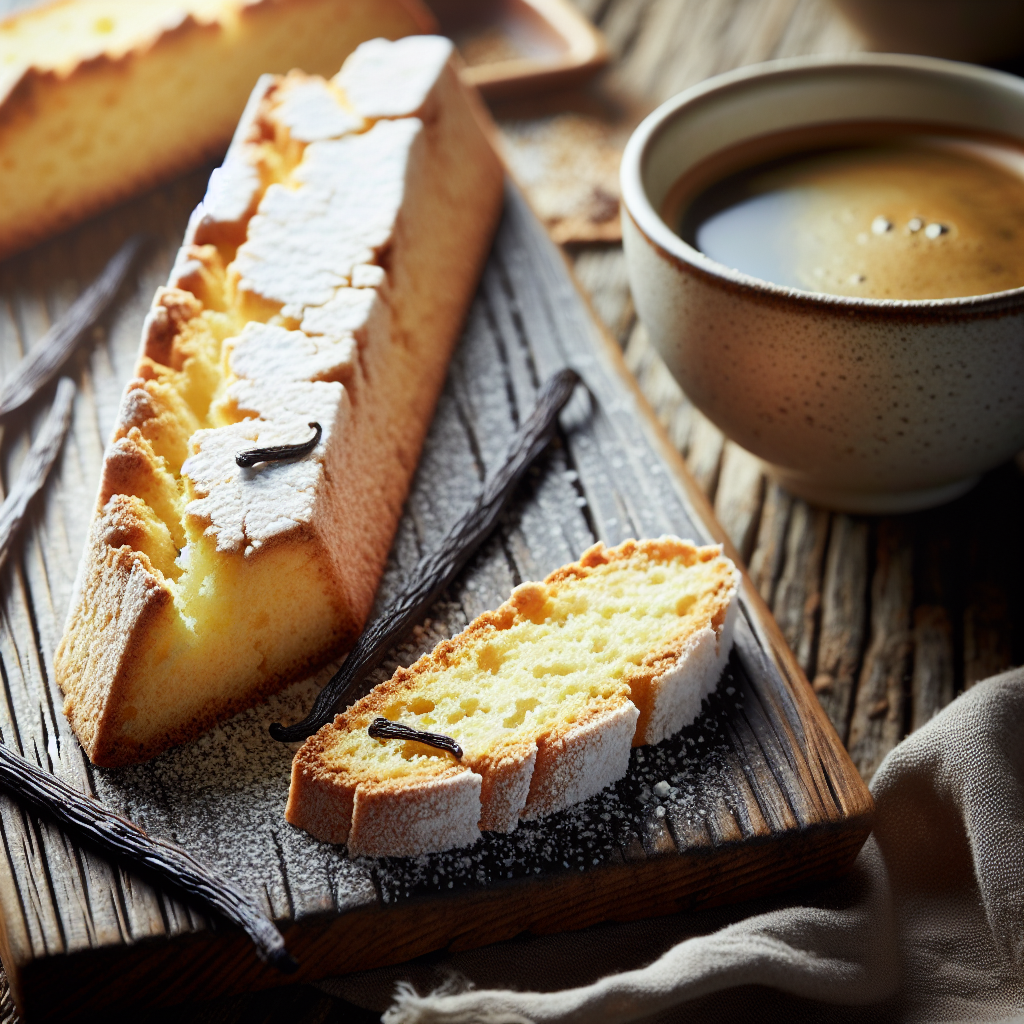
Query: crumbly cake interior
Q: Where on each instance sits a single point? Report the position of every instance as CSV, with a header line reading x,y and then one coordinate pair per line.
x,y
216,596
557,659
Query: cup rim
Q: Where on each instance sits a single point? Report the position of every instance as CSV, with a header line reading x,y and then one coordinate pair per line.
x,y
638,208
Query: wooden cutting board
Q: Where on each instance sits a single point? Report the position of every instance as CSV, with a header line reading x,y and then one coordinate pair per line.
x,y
755,796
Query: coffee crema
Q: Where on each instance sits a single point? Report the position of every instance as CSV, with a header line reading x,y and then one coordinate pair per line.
x,y
880,211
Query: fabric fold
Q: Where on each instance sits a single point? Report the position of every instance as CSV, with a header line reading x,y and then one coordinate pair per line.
x,y
929,925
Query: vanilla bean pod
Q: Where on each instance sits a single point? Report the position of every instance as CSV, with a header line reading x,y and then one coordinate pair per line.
x,y
47,356
37,464
279,452
87,821
383,729
435,571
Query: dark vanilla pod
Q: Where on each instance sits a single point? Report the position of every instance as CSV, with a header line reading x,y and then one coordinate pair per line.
x,y
87,821
383,729
47,356
435,571
280,452
36,467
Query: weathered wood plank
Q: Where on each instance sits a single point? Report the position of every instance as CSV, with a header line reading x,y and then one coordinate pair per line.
x,y
672,407
607,477
878,715
797,603
768,559
704,453
602,272
938,597
931,685
739,496
843,616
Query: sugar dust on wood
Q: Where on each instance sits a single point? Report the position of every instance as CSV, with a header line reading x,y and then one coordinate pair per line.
x,y
676,783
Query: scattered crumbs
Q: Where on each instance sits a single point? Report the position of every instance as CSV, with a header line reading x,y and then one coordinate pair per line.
x,y
570,476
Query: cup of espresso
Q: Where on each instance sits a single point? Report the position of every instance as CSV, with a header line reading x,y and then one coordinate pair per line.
x,y
829,257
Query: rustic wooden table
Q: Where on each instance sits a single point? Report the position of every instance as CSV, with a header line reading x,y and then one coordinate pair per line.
x,y
889,617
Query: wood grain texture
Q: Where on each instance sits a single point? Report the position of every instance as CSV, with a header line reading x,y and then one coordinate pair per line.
x,y
761,764
660,46
878,713
843,614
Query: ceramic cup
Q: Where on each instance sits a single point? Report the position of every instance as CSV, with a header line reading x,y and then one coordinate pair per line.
x,y
862,405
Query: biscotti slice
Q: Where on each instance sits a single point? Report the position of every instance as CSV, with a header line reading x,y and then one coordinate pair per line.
x,y
100,99
324,281
544,696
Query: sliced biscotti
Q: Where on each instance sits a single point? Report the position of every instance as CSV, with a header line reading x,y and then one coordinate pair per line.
x,y
100,99
323,281
544,697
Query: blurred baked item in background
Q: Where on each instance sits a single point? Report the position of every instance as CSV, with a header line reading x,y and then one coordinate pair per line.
x,y
101,99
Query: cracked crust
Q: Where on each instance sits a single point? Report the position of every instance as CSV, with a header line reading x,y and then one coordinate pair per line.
x,y
254,576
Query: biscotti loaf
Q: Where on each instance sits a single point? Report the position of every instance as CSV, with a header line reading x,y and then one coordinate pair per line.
x,y
323,281
543,697
100,99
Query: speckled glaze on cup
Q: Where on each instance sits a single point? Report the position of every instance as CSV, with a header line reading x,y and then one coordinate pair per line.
x,y
863,405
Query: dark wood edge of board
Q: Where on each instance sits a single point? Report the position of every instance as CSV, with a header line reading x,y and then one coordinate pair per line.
x,y
215,963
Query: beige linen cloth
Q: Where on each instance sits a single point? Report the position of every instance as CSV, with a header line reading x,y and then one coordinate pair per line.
x,y
929,926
